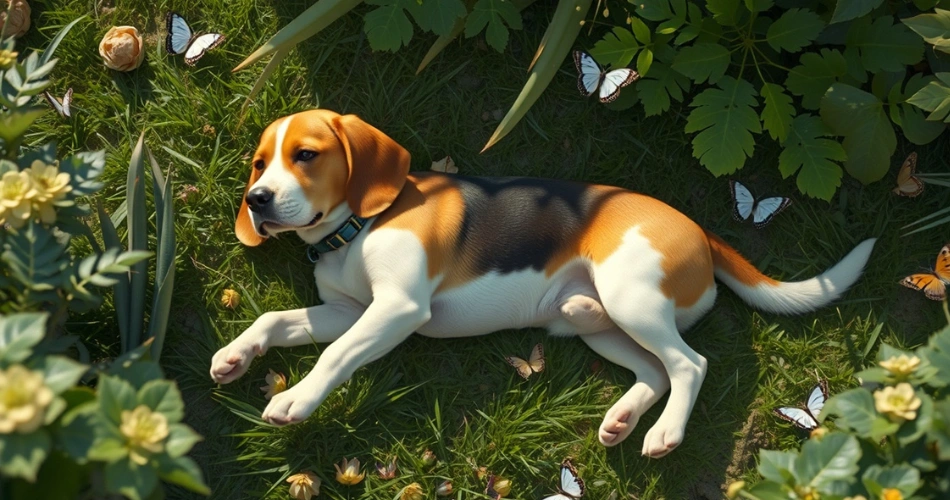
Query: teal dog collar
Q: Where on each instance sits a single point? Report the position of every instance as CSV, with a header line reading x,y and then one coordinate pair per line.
x,y
343,235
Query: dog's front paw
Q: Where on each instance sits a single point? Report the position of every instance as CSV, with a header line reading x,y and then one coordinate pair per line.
x,y
289,407
232,361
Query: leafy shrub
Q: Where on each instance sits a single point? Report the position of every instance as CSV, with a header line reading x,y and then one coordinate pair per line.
x,y
59,439
892,441
802,72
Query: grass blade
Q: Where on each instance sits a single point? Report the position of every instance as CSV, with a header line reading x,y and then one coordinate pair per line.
x,y
938,213
164,269
928,226
262,79
138,240
54,43
307,24
110,238
563,30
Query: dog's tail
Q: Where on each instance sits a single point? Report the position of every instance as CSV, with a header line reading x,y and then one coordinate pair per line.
x,y
767,294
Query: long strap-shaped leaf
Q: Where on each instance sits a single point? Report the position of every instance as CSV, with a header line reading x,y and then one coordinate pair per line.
x,y
262,79
54,43
138,240
164,264
110,238
559,38
307,24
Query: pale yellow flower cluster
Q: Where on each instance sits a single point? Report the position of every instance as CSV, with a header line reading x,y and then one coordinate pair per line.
x,y
901,366
898,403
24,398
7,58
32,192
145,432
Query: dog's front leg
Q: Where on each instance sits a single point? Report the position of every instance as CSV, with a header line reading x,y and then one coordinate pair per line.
x,y
323,323
389,319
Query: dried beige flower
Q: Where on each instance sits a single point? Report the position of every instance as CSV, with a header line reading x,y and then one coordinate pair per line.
x,y
412,492
304,485
121,48
14,18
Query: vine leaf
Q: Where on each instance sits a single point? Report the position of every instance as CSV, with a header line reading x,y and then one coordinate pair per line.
x,y
662,84
437,17
934,97
795,29
702,61
493,14
617,48
388,28
933,28
884,46
725,12
778,111
725,120
917,129
815,74
869,138
813,157
846,10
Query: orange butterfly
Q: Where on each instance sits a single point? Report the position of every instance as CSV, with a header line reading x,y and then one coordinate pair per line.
x,y
534,364
934,285
907,183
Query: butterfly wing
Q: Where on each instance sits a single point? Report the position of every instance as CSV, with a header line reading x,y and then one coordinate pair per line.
x,y
942,268
558,497
932,286
907,183
67,100
520,365
588,73
798,416
614,81
201,45
571,484
743,199
178,33
816,399
767,208
536,360
54,102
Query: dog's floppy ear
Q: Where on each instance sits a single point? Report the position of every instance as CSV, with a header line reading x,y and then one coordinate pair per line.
x,y
243,227
378,165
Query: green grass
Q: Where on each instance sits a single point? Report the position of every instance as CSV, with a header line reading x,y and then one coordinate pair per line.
x,y
458,397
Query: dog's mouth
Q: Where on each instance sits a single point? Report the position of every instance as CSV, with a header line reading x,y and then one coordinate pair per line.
x,y
263,228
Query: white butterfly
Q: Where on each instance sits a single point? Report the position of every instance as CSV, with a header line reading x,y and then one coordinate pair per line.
x,y
807,417
181,40
591,75
61,107
571,487
762,211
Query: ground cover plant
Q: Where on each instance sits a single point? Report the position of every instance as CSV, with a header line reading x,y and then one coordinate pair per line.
x,y
458,398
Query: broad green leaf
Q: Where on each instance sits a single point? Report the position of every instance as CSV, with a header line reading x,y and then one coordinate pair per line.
x,y
934,28
934,97
163,396
884,46
60,373
662,84
725,120
22,454
77,431
438,17
832,458
180,440
813,157
910,431
776,465
855,411
115,396
702,61
640,30
902,477
654,10
846,10
917,129
184,472
617,48
106,448
815,73
387,27
134,481
644,61
869,138
725,12
778,111
758,5
13,124
794,29
19,333
495,15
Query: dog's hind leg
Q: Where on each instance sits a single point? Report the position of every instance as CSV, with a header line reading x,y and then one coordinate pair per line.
x,y
652,382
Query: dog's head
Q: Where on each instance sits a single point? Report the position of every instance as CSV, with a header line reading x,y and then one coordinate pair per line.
x,y
308,165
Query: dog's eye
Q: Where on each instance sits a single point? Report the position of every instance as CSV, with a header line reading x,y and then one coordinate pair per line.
x,y
259,165
305,155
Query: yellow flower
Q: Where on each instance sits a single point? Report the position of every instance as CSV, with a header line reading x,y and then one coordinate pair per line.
x,y
24,398
734,488
144,431
230,298
901,366
891,494
304,485
121,48
349,472
16,191
50,186
502,486
16,22
412,492
898,403
444,489
7,58
856,497
276,384
818,432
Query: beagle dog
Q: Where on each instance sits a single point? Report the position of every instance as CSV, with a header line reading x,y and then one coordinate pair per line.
x,y
454,256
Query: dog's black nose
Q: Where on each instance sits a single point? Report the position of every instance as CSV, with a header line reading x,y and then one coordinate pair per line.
x,y
258,198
